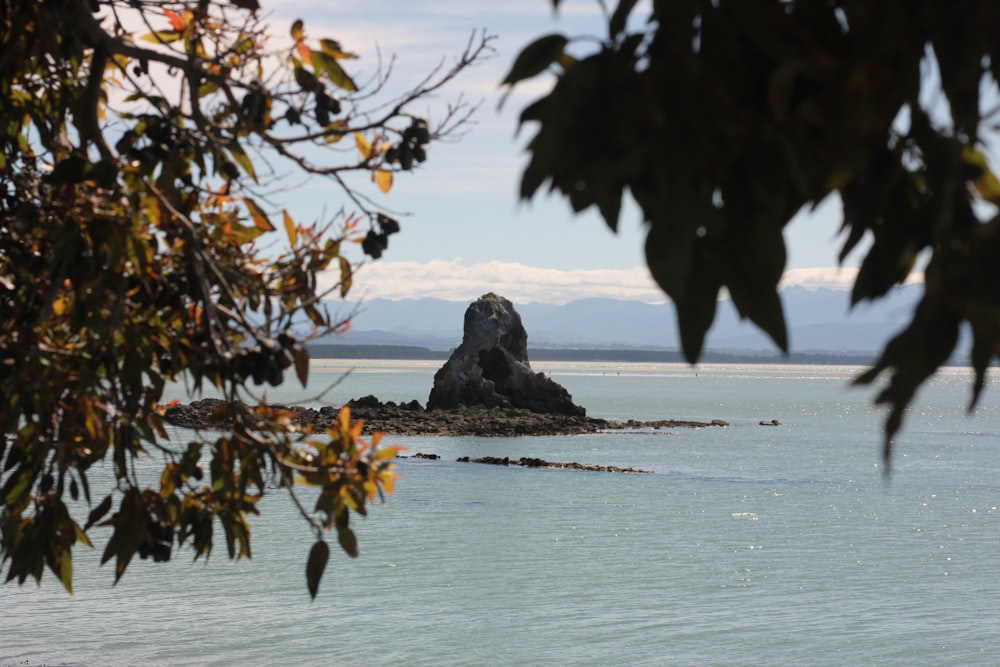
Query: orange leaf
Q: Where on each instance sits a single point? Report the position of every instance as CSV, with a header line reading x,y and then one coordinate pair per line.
x,y
383,179
304,52
258,215
177,21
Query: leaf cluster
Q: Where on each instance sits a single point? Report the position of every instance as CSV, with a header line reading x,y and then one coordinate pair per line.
x,y
724,119
135,251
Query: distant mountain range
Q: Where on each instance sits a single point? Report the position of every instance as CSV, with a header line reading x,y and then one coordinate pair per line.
x,y
818,321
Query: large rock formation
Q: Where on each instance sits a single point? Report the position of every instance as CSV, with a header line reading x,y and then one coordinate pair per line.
x,y
490,368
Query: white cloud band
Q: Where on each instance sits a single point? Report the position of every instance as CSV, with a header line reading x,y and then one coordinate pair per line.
x,y
455,281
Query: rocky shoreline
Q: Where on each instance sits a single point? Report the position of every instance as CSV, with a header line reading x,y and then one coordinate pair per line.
x,y
412,419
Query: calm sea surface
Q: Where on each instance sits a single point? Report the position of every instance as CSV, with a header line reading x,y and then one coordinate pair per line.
x,y
750,545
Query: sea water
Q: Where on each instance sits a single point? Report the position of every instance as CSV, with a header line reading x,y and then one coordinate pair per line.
x,y
746,545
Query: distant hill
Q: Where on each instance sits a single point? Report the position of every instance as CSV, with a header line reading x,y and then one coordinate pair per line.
x,y
819,321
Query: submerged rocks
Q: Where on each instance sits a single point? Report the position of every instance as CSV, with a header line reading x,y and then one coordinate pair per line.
x,y
490,368
528,462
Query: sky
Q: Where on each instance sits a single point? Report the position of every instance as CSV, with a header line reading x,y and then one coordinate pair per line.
x,y
464,230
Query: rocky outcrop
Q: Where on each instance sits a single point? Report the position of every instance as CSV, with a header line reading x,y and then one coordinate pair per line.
x,y
490,368
401,419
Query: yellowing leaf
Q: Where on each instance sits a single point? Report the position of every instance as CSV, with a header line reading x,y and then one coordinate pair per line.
x,y
986,184
334,131
346,280
60,306
161,37
297,30
364,146
120,61
259,217
293,232
386,453
388,481
383,179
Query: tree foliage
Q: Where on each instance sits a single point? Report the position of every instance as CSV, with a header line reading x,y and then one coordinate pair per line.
x,y
724,118
139,146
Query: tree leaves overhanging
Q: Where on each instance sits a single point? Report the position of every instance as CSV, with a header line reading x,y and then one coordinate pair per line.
x,y
724,118
138,142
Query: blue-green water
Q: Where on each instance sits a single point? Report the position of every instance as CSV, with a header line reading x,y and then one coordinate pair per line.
x,y
749,545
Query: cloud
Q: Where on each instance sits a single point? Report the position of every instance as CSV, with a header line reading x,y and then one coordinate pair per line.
x,y
827,277
453,280
839,278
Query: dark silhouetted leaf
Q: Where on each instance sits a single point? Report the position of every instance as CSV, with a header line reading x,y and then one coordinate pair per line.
x,y
619,18
318,556
348,541
535,58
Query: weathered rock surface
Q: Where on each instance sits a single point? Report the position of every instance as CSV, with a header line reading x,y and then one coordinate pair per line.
x,y
412,419
490,368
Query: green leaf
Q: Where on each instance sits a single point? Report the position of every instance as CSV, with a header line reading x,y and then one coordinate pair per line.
x,y
65,563
328,65
18,488
240,157
318,556
535,58
332,48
